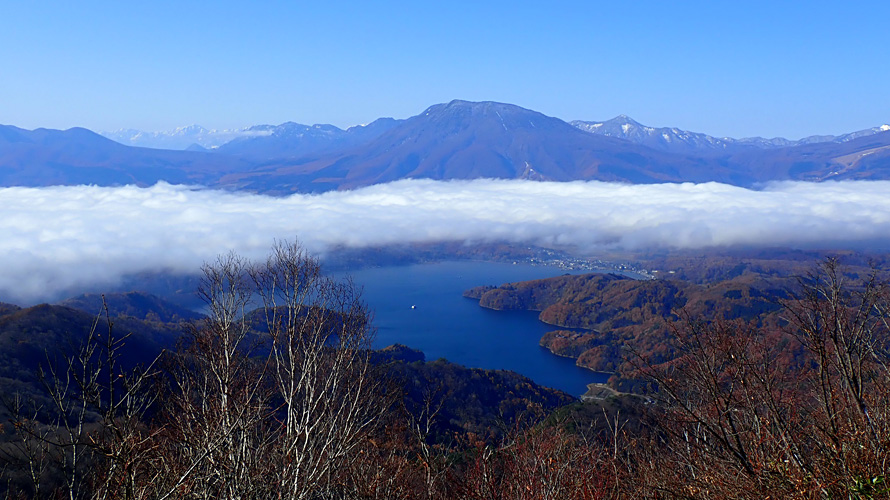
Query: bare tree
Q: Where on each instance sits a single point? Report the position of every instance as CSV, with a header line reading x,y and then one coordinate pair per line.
x,y
272,402
543,463
30,452
91,431
215,430
843,324
320,335
726,419
421,420
800,412
842,321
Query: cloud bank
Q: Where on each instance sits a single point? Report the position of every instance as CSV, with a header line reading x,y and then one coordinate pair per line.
x,y
59,238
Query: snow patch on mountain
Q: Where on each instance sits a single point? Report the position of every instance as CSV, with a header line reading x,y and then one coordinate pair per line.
x,y
682,141
181,137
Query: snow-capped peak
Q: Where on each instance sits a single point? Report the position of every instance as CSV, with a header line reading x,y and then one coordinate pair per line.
x,y
677,140
177,138
187,130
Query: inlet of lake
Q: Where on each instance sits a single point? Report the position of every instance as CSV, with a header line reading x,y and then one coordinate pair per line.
x,y
422,306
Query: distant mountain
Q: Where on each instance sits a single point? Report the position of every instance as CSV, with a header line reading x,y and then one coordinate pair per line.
x,y
287,140
456,140
813,139
681,141
864,154
44,157
293,140
469,140
6,308
664,138
865,157
179,138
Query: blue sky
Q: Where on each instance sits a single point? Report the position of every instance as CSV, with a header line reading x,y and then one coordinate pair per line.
x,y
725,68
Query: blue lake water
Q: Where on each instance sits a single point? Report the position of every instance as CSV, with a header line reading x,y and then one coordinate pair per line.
x,y
444,324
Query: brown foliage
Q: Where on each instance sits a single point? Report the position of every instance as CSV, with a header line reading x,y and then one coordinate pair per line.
x,y
743,420
286,404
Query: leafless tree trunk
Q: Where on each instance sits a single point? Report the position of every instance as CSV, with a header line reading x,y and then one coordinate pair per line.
x,y
96,437
272,403
216,415
320,336
420,423
844,326
741,424
31,451
288,423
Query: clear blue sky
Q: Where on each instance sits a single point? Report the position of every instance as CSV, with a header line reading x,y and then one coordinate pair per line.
x,y
725,68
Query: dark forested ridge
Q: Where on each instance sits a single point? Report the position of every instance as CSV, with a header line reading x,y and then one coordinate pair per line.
x,y
139,305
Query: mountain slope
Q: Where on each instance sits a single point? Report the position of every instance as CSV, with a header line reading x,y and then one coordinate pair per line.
x,y
466,140
682,141
456,140
140,305
608,313
866,157
294,140
46,157
179,138
663,138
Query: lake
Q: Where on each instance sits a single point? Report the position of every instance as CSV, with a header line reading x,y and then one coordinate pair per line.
x,y
444,324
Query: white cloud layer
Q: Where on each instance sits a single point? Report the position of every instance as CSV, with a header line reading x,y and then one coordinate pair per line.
x,y
59,238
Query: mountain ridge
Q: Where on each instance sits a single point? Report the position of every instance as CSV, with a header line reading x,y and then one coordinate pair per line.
x,y
621,126
454,140
183,138
46,157
468,140
678,140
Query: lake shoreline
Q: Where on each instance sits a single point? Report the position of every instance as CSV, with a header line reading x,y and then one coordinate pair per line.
x,y
443,324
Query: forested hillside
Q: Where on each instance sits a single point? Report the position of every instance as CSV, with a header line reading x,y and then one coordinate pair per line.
x,y
601,316
753,386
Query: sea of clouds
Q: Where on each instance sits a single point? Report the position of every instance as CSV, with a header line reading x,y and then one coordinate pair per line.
x,y
59,238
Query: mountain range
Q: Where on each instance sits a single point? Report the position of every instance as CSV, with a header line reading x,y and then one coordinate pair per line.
x,y
682,141
455,140
286,139
193,137
45,157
